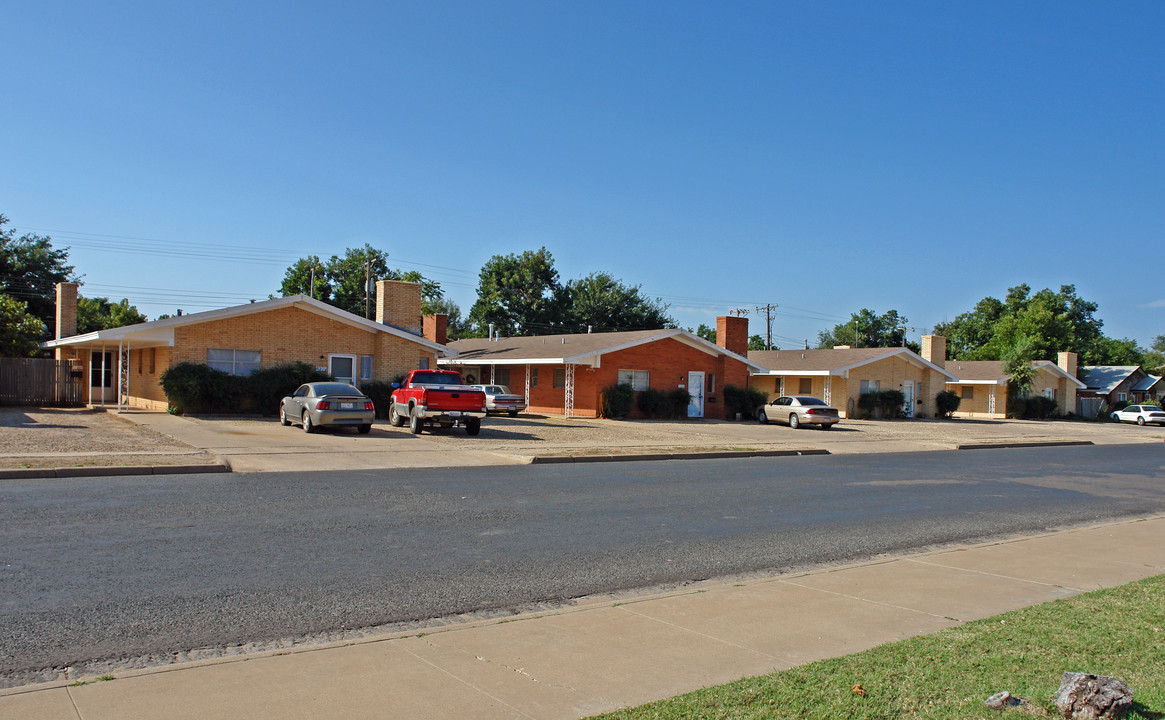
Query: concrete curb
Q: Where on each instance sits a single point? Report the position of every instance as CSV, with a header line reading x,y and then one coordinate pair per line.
x,y
109,471
1050,443
558,459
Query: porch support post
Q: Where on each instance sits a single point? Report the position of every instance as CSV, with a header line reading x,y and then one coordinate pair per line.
x,y
828,389
991,401
491,375
570,390
527,388
90,374
102,375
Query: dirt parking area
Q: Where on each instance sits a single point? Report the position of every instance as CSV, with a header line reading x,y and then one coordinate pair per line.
x,y
77,437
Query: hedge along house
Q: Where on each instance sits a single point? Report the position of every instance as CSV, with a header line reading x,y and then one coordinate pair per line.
x,y
983,385
124,365
842,374
566,374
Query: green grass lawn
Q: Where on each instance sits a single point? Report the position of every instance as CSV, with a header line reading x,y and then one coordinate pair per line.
x,y
1118,632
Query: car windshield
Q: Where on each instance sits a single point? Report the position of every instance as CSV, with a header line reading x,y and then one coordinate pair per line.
x,y
498,390
435,378
335,389
809,401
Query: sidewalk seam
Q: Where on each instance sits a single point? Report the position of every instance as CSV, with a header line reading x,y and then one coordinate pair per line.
x,y
713,638
466,683
944,618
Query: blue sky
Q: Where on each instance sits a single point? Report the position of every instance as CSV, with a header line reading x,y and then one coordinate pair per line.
x,y
823,156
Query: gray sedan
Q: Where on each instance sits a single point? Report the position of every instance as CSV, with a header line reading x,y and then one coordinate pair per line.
x,y
322,404
799,410
498,398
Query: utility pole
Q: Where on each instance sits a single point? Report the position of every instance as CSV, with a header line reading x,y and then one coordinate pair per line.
x,y
768,324
367,284
312,291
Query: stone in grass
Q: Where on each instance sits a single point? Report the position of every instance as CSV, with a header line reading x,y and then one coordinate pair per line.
x,y
1004,700
1092,696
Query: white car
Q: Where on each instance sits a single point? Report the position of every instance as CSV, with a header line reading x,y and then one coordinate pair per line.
x,y
798,410
1140,414
498,398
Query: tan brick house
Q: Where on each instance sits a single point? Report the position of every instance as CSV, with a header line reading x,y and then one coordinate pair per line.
x,y
565,374
841,375
123,366
982,385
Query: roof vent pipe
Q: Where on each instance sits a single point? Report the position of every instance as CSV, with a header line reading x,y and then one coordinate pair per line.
x,y
588,329
179,312
491,332
563,341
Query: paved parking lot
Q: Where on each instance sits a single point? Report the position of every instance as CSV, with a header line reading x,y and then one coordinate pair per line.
x,y
65,438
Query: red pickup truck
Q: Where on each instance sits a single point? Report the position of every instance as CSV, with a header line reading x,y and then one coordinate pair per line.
x,y
436,397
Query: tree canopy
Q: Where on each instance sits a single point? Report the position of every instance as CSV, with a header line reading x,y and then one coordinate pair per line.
x,y
30,269
866,329
341,280
604,303
100,314
1050,322
20,332
1155,356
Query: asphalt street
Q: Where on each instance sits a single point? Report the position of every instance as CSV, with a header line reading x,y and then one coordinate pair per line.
x,y
149,566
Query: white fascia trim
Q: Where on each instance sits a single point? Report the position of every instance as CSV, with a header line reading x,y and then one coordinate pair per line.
x,y
1057,370
470,360
799,373
1001,381
909,355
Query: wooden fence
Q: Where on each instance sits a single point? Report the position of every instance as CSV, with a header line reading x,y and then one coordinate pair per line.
x,y
42,382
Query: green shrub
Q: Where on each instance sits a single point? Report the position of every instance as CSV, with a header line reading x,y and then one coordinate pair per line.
x,y
198,388
380,393
868,404
678,401
947,403
194,387
651,403
742,400
1036,407
617,401
881,403
1155,403
1118,405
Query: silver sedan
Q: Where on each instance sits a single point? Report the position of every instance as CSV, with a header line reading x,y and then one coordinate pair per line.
x,y
323,404
798,410
498,398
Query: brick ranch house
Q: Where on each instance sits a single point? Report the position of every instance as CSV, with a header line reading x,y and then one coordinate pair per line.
x,y
124,365
982,385
565,374
842,374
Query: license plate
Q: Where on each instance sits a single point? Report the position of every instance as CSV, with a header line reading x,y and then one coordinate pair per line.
x,y
347,406
454,413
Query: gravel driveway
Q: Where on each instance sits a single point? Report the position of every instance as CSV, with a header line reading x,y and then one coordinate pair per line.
x,y
77,437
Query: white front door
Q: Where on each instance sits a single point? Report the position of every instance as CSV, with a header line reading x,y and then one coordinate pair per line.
x,y
696,394
908,398
343,368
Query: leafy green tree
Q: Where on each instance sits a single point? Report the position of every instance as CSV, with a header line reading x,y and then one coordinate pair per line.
x,y
100,314
756,342
1109,351
971,330
866,329
20,331
1155,356
705,332
1017,365
341,280
456,326
30,269
518,294
601,301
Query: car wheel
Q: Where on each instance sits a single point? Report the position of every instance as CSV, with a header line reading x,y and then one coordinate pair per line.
x,y
762,417
1140,421
365,429
513,413
414,423
307,426
473,426
1116,418
283,416
794,421
394,417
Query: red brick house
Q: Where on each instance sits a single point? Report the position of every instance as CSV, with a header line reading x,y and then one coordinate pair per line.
x,y
123,366
565,374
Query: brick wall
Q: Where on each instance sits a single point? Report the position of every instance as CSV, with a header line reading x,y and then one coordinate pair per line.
x,y
399,304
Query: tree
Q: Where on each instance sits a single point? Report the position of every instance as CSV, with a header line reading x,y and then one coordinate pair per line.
x,y
30,269
518,294
455,326
341,280
1017,365
866,329
756,342
1155,357
1109,351
20,332
100,314
604,303
707,333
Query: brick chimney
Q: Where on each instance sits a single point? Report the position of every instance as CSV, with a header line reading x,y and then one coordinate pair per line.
x,y
1067,362
435,328
399,304
934,350
732,334
66,309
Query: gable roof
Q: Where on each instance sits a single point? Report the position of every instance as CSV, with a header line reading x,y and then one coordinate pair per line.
x,y
572,349
832,361
1104,378
990,372
1146,383
161,332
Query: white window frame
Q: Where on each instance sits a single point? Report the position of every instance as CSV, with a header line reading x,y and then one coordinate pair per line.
x,y
868,386
637,379
236,365
355,366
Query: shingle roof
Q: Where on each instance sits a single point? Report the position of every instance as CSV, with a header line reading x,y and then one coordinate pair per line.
x,y
1104,378
829,361
1146,382
991,371
571,348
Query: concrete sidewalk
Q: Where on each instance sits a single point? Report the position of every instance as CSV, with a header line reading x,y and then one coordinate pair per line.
x,y
600,655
